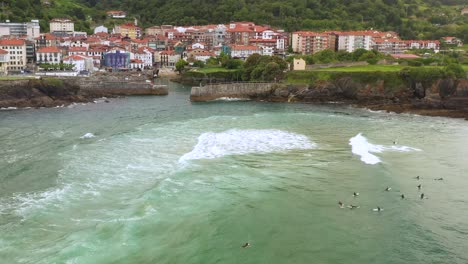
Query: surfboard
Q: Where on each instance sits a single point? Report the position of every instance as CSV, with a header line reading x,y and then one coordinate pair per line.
x,y
377,210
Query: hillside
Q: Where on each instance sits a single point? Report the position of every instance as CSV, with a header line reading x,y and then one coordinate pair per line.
x,y
413,19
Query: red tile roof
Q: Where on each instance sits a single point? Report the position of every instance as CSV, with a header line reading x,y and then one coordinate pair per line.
x,y
77,49
48,50
74,57
244,47
12,42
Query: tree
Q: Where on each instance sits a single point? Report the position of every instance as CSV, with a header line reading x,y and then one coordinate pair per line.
x,y
272,72
180,65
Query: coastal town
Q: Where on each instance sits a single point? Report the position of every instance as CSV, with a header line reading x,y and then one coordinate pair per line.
x,y
62,51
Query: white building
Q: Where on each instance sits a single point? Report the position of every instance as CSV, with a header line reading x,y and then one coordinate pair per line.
x,y
266,50
244,51
145,55
349,41
62,25
16,49
50,55
30,29
101,29
80,63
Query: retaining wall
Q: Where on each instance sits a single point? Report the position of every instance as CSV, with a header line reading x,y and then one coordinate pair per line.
x,y
231,90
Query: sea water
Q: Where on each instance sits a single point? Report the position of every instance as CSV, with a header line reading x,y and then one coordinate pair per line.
x,y
163,180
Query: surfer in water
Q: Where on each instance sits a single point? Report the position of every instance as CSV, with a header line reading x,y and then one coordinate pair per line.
x,y
402,196
419,187
353,206
439,179
388,189
379,209
422,195
355,194
341,204
246,245
417,178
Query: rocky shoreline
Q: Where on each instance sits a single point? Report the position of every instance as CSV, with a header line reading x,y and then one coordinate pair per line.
x,y
53,92
445,97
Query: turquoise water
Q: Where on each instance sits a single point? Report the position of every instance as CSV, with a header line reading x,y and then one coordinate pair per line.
x,y
162,180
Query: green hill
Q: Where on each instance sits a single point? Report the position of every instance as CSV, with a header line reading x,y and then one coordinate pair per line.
x,y
412,19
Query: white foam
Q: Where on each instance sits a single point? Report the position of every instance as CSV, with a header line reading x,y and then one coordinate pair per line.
x,y
87,135
361,147
8,108
232,99
238,142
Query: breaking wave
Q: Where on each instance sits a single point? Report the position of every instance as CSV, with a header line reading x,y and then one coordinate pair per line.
x,y
238,142
360,146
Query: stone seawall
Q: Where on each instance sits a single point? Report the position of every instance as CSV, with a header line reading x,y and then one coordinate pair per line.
x,y
232,90
124,88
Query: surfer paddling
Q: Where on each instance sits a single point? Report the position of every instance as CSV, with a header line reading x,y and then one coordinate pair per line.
x,y
341,204
355,194
246,245
388,189
419,187
353,206
402,196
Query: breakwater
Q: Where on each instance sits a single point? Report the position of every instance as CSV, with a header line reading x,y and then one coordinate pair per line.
x,y
50,92
232,90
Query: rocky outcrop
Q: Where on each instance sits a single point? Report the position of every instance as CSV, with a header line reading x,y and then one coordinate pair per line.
x,y
444,97
50,92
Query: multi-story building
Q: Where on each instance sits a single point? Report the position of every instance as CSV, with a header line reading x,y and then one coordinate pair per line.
x,y
49,55
145,55
4,59
244,51
16,49
168,58
352,40
47,40
390,46
128,30
307,42
423,44
116,14
219,35
80,63
117,58
62,26
30,29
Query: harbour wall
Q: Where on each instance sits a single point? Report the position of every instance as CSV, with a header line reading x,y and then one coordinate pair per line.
x,y
232,90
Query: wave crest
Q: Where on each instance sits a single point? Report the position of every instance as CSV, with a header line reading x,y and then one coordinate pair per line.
x,y
238,142
361,147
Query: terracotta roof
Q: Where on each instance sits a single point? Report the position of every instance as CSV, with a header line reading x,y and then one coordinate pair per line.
x,y
12,42
136,61
75,49
74,57
263,40
168,52
48,50
244,47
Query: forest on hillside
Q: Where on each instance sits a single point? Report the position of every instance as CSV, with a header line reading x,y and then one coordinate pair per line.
x,y
412,19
